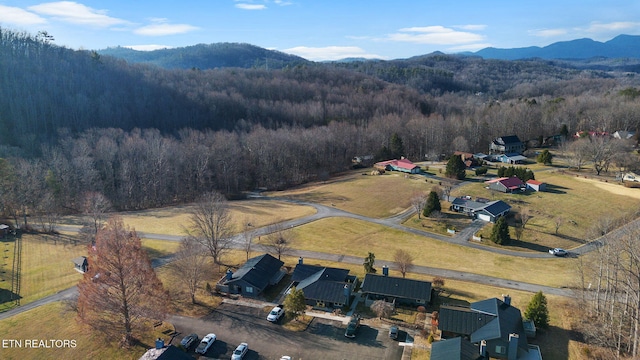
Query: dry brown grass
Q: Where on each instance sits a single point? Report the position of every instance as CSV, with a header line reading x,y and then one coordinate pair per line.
x,y
357,238
376,196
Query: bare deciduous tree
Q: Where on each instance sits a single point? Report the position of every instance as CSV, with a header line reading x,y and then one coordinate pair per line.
x,y
278,241
557,222
189,264
382,308
524,216
96,206
210,224
120,289
403,261
418,201
247,236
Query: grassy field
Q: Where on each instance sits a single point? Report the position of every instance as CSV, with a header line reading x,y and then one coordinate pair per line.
x,y
357,238
358,192
172,220
56,322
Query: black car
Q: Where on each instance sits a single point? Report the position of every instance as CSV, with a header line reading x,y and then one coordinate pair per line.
x,y
188,341
353,325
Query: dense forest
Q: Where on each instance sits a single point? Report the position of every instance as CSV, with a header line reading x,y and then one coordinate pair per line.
x,y
74,123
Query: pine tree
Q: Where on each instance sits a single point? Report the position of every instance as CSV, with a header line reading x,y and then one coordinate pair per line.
x,y
433,204
545,157
396,146
500,232
456,169
537,310
368,263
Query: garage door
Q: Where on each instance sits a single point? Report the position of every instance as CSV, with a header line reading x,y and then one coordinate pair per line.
x,y
484,217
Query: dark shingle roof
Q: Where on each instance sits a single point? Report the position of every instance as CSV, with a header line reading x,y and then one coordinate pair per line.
x,y
258,271
462,320
509,321
397,287
327,291
454,349
497,207
322,283
303,271
504,140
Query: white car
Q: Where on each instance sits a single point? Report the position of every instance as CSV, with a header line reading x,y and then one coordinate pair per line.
x,y
275,314
240,352
558,252
285,357
206,343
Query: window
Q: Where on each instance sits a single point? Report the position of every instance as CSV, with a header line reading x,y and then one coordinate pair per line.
x,y
248,290
501,349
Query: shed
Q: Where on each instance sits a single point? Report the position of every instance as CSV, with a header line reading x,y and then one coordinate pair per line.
x,y
81,264
536,185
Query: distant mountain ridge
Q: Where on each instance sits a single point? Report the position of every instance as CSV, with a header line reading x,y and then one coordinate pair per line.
x,y
622,46
208,56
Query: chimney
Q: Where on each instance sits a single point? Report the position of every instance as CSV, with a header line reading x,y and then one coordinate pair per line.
x,y
300,260
228,275
512,351
159,343
385,270
506,299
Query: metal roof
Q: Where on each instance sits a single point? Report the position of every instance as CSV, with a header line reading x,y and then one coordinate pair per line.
x,y
397,287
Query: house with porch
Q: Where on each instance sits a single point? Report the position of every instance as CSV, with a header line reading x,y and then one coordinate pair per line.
x,y
253,277
506,145
402,165
323,287
395,290
493,326
482,209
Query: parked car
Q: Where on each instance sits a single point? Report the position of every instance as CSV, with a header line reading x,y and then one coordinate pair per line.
x,y
188,341
275,314
240,351
393,332
285,357
352,327
206,343
558,252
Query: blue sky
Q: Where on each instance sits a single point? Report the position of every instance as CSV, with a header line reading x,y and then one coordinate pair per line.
x,y
324,29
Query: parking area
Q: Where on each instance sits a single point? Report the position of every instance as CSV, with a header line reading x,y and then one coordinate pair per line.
x,y
323,339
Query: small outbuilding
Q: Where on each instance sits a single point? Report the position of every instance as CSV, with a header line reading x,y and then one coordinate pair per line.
x,y
536,185
81,264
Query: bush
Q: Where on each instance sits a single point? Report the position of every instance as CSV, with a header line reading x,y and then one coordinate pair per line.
x,y
438,282
481,170
422,309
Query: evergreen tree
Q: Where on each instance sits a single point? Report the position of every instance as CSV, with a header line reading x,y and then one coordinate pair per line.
x,y
564,131
295,302
537,310
368,264
456,169
500,232
545,157
433,204
396,146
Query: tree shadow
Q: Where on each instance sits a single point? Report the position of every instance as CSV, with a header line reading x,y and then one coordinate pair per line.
x,y
518,244
556,189
8,295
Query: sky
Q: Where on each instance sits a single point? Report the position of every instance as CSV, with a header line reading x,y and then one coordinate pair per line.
x,y
322,30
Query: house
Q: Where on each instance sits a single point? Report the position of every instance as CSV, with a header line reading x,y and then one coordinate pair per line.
x,y
455,349
81,264
493,325
165,353
536,185
510,158
624,135
395,289
402,165
506,185
481,208
253,277
506,145
468,159
323,287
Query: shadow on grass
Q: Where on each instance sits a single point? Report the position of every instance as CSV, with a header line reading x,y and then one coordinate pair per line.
x,y
556,189
554,342
518,244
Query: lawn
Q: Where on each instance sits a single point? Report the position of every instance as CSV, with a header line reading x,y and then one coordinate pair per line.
x,y
577,203
56,322
172,220
359,192
357,238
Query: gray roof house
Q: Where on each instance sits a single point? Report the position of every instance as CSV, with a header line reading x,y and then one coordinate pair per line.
x,y
395,289
493,324
253,277
506,145
323,287
455,349
481,208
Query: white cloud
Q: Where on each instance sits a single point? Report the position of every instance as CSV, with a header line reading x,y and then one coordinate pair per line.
x,y
434,35
282,2
163,29
330,53
470,27
245,6
597,27
548,32
72,12
18,16
149,47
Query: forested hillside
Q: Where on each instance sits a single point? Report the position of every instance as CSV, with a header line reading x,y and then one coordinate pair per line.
x,y
75,123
